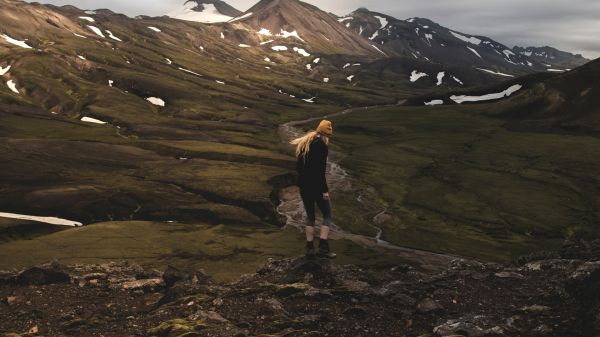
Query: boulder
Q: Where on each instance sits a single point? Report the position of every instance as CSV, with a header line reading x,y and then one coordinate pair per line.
x,y
428,305
49,274
510,274
144,285
173,275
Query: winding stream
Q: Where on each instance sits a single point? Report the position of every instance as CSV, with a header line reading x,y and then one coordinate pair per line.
x,y
339,181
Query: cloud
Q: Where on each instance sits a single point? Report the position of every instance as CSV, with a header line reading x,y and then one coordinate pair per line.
x,y
568,25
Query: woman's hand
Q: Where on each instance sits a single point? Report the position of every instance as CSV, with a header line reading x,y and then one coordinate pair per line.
x,y
326,196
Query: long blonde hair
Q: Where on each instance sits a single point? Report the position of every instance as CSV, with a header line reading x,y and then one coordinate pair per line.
x,y
303,143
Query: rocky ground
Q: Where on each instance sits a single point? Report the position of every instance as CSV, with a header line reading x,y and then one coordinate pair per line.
x,y
547,294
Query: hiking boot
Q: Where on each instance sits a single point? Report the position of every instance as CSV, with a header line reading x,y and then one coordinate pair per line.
x,y
324,251
310,250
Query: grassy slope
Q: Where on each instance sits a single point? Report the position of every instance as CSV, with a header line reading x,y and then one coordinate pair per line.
x,y
242,249
457,181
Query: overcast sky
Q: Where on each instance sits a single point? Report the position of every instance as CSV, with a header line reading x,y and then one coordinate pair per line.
x,y
571,25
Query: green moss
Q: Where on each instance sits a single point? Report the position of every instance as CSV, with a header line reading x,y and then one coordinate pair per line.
x,y
285,290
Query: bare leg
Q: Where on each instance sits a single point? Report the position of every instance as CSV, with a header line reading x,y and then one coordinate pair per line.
x,y
310,233
324,232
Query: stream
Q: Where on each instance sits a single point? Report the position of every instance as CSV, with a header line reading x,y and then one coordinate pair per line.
x,y
339,181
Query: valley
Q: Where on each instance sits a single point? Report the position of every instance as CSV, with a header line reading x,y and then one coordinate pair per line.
x,y
166,133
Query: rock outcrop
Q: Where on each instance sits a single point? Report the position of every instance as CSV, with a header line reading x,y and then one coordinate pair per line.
x,y
551,294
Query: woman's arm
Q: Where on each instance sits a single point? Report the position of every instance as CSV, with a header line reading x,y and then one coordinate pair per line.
x,y
323,169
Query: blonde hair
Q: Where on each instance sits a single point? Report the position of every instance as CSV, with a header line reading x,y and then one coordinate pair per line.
x,y
303,143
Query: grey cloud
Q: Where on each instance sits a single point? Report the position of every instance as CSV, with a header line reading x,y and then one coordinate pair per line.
x,y
569,25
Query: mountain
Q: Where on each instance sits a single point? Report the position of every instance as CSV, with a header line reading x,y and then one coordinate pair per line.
x,y
306,23
424,39
552,57
206,11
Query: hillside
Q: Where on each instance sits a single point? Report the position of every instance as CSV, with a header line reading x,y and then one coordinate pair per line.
x,y
568,101
553,102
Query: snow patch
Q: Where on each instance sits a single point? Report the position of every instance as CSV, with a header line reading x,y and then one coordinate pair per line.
x,y
87,18
220,82
379,50
508,53
382,21
429,37
317,60
110,34
279,48
457,80
346,65
285,34
16,42
471,40
415,76
44,219
495,72
463,98
474,52
155,29
110,83
345,19
350,78
210,14
3,71
266,42
241,45
265,32
168,61
12,86
434,102
326,79
156,101
79,35
301,52
309,100
440,77
92,120
81,57
96,30
189,71
241,17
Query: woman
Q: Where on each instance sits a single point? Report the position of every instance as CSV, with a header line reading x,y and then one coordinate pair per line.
x,y
311,151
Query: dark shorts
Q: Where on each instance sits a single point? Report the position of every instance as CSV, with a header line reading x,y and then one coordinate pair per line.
x,y
310,198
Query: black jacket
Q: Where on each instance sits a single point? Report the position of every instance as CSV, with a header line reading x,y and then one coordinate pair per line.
x,y
311,170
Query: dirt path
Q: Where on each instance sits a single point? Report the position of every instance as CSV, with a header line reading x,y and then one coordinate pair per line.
x,y
338,180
